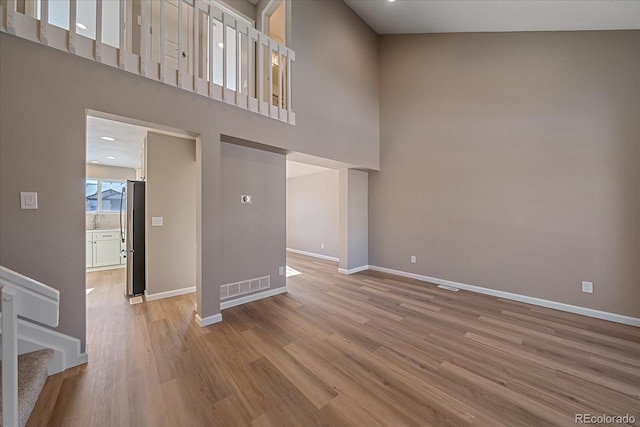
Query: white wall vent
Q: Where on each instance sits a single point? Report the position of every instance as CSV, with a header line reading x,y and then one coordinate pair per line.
x,y
231,290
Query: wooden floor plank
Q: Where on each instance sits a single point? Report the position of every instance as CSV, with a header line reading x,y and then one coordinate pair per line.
x,y
368,349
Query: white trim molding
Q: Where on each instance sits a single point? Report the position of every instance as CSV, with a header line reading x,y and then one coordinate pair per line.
x,y
32,337
354,270
253,297
314,255
168,294
209,320
589,312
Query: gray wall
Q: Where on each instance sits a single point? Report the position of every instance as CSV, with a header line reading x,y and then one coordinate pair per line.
x,y
170,194
243,6
253,237
313,212
511,161
42,137
354,219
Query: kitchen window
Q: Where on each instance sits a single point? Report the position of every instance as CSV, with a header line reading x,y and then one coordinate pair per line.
x,y
104,195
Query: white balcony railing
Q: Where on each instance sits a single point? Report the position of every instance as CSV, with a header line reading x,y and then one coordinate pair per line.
x,y
196,45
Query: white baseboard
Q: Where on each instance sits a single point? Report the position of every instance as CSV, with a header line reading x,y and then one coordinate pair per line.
x,y
209,320
589,312
254,297
311,254
168,294
353,270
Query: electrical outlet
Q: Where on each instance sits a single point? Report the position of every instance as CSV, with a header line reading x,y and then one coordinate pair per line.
x,y
587,287
413,259
281,271
322,246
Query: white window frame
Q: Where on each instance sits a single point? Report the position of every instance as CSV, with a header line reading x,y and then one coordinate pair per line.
x,y
99,194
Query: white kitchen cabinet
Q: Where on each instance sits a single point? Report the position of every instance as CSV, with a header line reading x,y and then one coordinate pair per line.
x,y
103,249
106,252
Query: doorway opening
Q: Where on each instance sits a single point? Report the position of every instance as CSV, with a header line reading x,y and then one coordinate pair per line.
x,y
312,211
140,202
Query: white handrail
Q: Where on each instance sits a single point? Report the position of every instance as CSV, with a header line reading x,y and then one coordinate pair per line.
x,y
36,301
32,300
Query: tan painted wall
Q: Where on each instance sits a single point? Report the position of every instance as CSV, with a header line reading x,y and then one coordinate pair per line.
x,y
42,137
313,213
511,161
110,172
170,194
254,234
354,219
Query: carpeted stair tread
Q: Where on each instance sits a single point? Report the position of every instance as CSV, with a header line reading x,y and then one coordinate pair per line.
x,y
32,374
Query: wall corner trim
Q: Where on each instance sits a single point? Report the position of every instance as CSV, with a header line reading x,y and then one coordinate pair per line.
x,y
160,295
314,255
253,297
589,312
209,320
354,270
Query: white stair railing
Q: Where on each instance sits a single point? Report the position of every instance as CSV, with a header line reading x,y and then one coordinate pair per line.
x,y
195,45
33,301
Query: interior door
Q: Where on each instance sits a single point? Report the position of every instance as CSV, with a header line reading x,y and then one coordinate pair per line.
x,y
171,33
171,29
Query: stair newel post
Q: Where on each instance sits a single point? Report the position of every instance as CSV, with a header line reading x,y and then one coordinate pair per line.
x,y
9,356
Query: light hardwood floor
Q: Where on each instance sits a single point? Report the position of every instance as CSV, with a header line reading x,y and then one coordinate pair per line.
x,y
364,350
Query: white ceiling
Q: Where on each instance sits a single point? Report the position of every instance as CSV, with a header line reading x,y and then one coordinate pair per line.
x,y
453,16
126,148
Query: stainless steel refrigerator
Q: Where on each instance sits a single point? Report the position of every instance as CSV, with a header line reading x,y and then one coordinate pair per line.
x,y
132,233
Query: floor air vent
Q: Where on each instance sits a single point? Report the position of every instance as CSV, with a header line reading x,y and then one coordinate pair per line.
x,y
240,288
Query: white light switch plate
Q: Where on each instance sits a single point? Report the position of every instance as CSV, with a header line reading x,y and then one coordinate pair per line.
x,y
28,200
157,221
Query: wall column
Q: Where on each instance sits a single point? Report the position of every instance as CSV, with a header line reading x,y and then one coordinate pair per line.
x,y
354,221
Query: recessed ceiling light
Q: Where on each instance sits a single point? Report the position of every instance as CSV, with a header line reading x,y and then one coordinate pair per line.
x,y
107,138
95,162
81,25
220,45
391,1
111,158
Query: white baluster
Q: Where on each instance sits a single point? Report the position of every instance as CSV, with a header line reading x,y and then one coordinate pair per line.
x,y
211,51
289,62
196,47
225,52
98,42
163,71
121,40
72,26
11,16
